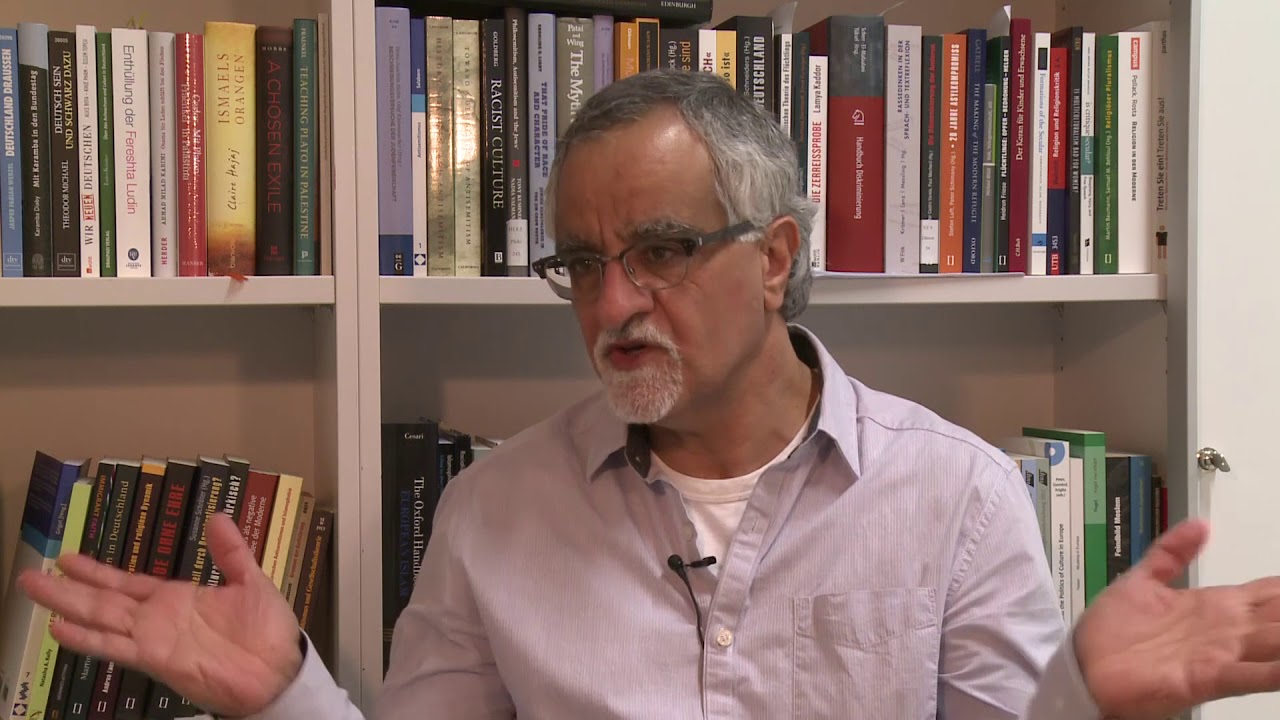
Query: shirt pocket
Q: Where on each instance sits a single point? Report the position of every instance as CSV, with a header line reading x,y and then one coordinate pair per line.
x,y
869,654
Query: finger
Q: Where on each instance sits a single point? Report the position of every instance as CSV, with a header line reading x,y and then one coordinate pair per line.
x,y
81,603
99,643
98,574
1174,550
230,551
1263,593
1244,678
1262,644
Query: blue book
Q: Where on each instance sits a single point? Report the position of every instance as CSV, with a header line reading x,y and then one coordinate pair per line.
x,y
10,158
395,186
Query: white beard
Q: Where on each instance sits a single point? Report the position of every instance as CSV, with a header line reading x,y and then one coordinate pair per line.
x,y
647,394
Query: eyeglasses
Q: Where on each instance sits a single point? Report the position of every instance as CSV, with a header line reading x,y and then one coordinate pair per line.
x,y
651,264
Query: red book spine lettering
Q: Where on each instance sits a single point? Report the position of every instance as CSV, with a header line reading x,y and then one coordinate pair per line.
x,y
192,230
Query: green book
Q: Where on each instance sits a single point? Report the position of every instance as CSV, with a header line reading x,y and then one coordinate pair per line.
x,y
106,159
1106,260
1090,446
304,147
77,514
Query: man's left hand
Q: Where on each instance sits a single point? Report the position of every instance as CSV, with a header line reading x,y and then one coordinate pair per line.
x,y
1148,650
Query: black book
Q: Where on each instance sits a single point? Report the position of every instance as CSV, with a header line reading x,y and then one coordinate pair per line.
x,y
493,56
64,154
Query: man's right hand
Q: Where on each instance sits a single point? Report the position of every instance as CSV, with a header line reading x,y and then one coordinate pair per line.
x,y
230,649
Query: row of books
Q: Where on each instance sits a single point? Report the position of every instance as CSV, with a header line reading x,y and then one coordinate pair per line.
x,y
996,149
131,152
1099,508
149,516
418,459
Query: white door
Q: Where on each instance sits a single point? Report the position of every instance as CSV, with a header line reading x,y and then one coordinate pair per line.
x,y
1233,305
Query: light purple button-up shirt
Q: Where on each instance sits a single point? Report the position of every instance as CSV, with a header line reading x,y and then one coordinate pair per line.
x,y
890,568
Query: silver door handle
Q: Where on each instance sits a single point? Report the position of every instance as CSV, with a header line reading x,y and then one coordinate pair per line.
x,y
1210,459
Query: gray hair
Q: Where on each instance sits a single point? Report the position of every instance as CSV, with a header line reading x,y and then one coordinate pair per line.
x,y
757,171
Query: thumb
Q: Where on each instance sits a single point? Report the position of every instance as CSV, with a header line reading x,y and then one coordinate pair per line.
x,y
230,551
1174,550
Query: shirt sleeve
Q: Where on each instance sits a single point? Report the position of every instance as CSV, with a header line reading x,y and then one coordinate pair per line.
x,y
312,694
1005,654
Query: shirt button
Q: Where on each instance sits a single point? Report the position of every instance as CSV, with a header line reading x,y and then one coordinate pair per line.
x,y
724,638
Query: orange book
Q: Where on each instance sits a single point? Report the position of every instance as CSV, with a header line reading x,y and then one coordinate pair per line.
x,y
951,155
626,49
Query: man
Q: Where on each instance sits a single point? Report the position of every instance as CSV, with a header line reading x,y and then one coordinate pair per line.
x,y
870,559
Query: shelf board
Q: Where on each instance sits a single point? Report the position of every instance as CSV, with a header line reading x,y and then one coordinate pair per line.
x,y
827,290
166,292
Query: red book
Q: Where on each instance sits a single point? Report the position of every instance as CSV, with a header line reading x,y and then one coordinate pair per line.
x,y
854,45
1022,65
192,236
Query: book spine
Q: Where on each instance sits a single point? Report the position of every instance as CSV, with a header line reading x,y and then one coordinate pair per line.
x,y
87,137
1058,151
493,59
231,173
1071,41
516,114
418,133
441,220
37,195
930,151
258,499
1020,178
161,52
951,170
603,45
574,42
1106,176
1088,102
1119,542
324,146
784,80
11,151
975,80
133,152
902,150
279,532
542,123
758,60
708,41
304,147
192,224
274,242
1038,188
64,153
1135,185
816,113
626,49
229,505
106,155
298,547
799,99
993,255
1160,83
315,572
647,41
468,207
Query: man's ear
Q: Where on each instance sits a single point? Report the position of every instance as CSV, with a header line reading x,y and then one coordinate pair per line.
x,y
778,251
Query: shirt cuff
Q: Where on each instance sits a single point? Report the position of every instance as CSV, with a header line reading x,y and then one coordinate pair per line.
x,y
312,694
1062,693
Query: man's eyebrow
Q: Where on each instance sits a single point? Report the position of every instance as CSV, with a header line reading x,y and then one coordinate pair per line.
x,y
663,227
573,244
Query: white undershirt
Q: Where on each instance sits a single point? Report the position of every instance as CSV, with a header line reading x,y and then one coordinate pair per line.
x,y
715,506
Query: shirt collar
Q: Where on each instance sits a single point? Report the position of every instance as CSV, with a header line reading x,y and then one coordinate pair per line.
x,y
609,442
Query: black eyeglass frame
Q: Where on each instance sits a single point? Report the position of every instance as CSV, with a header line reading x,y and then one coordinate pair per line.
x,y
690,244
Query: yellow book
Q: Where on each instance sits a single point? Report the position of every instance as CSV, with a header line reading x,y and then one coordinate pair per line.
x,y
727,56
230,150
284,514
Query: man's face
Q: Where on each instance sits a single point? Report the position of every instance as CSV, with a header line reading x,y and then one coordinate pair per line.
x,y
659,352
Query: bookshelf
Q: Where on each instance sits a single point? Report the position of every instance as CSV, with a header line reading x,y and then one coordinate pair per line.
x,y
310,291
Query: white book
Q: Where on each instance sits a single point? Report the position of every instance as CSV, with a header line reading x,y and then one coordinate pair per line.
x,y
87,119
1133,109
164,154
1160,60
785,50
902,150
418,133
467,201
1063,533
130,89
1038,261
1088,157
707,50
818,160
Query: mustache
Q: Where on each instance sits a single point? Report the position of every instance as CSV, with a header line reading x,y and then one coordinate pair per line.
x,y
638,333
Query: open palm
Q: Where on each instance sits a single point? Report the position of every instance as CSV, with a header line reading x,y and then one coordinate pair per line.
x,y
1148,650
229,649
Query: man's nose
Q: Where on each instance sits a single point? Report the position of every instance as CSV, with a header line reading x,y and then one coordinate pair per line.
x,y
620,299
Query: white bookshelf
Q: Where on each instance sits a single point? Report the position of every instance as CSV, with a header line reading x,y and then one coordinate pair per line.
x,y
311,291
827,290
